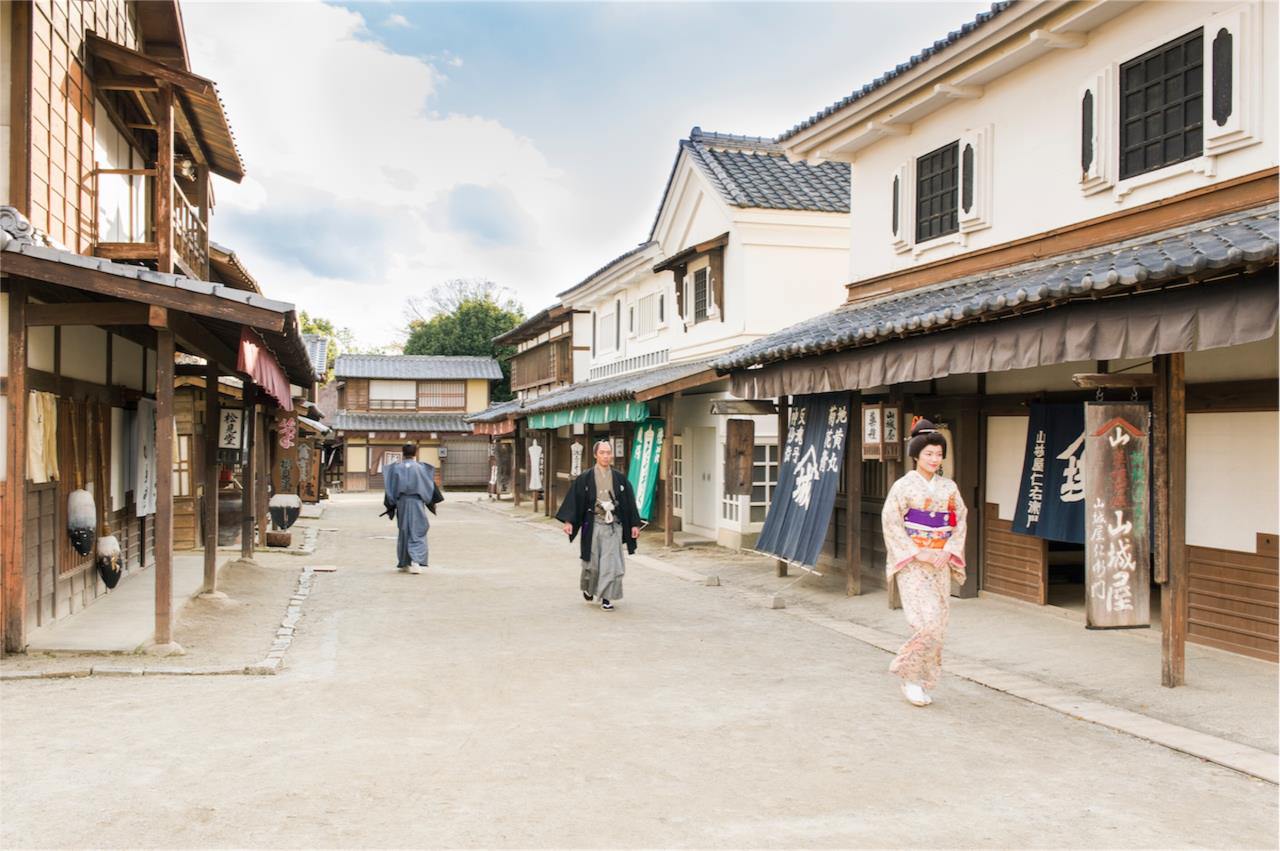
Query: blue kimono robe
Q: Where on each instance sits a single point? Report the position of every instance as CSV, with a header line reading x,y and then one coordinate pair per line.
x,y
409,487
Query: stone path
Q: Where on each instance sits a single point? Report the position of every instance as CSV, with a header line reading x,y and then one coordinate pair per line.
x,y
483,704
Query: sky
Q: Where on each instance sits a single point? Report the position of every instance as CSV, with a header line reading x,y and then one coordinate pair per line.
x,y
391,146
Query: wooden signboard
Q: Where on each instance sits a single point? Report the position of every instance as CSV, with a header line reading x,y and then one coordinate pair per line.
x,y
309,470
286,476
881,431
740,438
1118,517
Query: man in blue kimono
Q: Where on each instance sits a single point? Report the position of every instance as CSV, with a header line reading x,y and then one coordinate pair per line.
x,y
409,491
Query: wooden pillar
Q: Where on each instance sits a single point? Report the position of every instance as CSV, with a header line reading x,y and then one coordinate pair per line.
x,y
668,471
517,446
203,190
853,499
164,486
894,470
211,413
783,412
549,480
1174,593
262,469
248,499
13,549
164,179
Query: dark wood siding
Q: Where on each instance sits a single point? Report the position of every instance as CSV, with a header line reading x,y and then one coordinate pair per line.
x,y
1233,603
1014,565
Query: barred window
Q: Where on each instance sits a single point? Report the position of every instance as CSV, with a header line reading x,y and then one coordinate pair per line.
x,y
701,295
937,177
764,478
1162,106
442,395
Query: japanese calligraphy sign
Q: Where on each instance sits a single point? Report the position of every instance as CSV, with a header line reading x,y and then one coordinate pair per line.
x,y
1118,533
230,435
881,431
1051,494
646,459
808,478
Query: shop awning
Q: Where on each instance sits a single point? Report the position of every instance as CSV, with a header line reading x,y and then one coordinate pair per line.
x,y
606,412
497,429
257,361
1193,318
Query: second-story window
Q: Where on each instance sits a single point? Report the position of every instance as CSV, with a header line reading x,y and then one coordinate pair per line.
x,y
442,395
648,314
390,395
701,295
937,198
1162,106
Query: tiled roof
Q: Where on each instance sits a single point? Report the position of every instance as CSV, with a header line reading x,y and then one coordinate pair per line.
x,y
623,256
345,421
495,413
1241,241
416,366
612,389
317,352
923,56
750,171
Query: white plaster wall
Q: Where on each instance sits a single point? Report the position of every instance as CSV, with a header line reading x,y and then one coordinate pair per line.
x,y
1054,377
122,199
150,377
6,109
1006,442
126,363
581,340
1237,363
1232,479
84,353
357,458
40,347
4,331
1034,112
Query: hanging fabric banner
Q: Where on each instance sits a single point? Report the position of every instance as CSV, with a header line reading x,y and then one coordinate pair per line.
x,y
144,494
1117,555
646,458
808,478
1051,493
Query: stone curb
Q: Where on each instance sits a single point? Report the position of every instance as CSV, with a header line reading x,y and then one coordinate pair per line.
x,y
269,665
1245,759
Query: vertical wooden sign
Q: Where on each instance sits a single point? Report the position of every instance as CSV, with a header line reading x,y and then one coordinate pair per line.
x,y
740,438
872,431
1118,517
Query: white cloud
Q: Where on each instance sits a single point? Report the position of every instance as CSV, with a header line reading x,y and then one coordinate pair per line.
x,y
358,195
397,20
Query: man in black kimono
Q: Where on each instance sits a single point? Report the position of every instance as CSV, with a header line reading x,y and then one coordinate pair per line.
x,y
601,505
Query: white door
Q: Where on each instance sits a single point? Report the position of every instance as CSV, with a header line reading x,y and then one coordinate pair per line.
x,y
703,465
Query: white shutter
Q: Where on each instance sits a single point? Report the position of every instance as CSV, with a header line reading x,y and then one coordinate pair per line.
x,y
975,153
1233,71
1097,122
904,236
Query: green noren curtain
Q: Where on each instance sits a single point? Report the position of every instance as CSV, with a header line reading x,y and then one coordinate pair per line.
x,y
608,412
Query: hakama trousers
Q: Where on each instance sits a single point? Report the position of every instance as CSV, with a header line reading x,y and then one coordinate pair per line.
x,y
602,575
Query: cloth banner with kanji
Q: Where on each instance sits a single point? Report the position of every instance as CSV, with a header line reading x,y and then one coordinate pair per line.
x,y
808,478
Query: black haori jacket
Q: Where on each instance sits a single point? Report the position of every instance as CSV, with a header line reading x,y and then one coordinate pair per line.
x,y
579,509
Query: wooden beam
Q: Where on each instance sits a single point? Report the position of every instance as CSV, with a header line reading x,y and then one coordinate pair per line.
x,y
686,383
249,472
1113,381
211,467
1175,593
158,71
1160,469
126,250
201,341
157,317
99,313
19,120
187,129
516,460
137,290
668,468
894,471
262,469
164,487
125,83
13,548
164,181
852,497
780,566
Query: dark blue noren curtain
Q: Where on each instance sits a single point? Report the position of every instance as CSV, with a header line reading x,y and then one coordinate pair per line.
x,y
808,478
1051,499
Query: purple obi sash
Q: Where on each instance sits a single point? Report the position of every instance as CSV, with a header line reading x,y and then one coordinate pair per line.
x,y
935,519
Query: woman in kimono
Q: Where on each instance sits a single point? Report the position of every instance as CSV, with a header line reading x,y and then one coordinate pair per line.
x,y
924,530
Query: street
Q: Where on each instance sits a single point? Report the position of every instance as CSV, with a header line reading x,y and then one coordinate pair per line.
x,y
484,704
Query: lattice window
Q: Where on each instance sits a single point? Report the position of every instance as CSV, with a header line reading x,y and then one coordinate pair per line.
x,y
648,315
677,475
764,479
442,395
1162,106
937,197
182,465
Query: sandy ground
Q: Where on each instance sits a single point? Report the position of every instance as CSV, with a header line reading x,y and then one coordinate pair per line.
x,y
483,704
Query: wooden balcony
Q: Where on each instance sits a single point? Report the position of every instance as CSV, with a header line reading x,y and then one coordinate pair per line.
x,y
548,363
132,231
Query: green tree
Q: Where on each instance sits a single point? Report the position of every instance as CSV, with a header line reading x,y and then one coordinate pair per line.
x,y
340,339
469,329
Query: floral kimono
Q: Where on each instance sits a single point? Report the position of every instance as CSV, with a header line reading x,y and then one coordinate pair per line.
x,y
923,514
